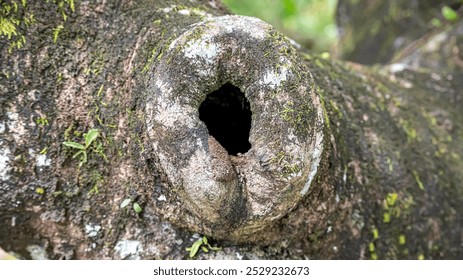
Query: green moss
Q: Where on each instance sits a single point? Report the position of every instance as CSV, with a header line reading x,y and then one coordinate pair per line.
x,y
197,34
395,207
335,109
389,164
42,121
402,239
391,199
375,233
96,180
8,27
14,21
418,180
325,113
287,112
63,7
98,60
56,32
288,168
297,116
386,217
409,130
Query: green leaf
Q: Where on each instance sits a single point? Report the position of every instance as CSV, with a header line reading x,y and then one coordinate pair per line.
x,y
78,153
74,145
449,14
125,202
205,240
195,247
137,207
56,32
90,137
83,159
205,250
417,179
71,5
436,22
215,248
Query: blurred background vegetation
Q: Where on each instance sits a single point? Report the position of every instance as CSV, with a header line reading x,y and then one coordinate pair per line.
x,y
310,22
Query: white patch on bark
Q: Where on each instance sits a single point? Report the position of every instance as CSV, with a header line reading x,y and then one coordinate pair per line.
x,y
31,94
317,149
274,79
37,252
254,27
186,12
4,167
16,127
163,85
294,43
2,127
171,114
204,49
129,249
42,161
314,167
12,119
436,42
397,67
92,230
168,9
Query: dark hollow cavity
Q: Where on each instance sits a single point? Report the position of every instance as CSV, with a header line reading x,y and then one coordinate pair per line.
x,y
227,115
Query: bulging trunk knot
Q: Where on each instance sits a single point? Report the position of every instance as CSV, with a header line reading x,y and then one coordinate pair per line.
x,y
235,120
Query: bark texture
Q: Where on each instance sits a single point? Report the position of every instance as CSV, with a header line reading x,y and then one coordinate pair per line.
x,y
344,161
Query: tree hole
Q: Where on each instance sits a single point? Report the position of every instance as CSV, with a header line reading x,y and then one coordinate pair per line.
x,y
227,115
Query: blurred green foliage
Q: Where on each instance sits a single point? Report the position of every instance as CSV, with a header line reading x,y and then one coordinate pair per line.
x,y
310,22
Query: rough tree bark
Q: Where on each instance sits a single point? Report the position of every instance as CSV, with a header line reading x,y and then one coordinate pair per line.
x,y
336,160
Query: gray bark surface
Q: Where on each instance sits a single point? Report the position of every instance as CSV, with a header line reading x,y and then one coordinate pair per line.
x,y
345,161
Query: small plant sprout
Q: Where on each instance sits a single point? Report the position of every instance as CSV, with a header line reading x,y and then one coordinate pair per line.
x,y
39,190
42,121
125,203
82,150
449,14
136,206
56,32
202,244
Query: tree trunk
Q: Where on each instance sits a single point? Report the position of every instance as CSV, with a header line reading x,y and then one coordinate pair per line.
x,y
127,126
